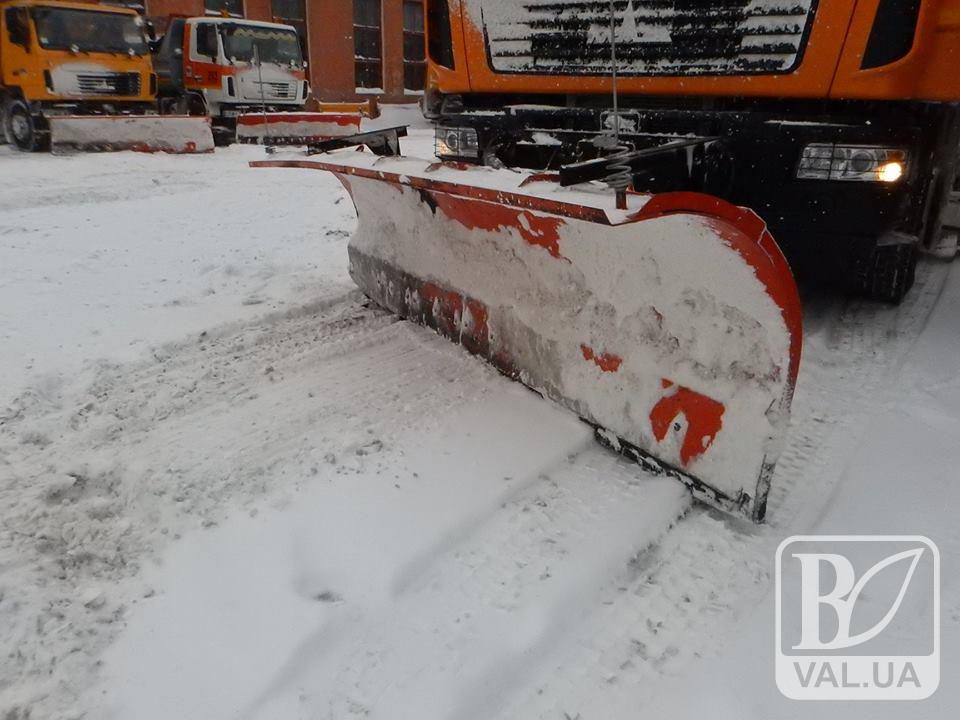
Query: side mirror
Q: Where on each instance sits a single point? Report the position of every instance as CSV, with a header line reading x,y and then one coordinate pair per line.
x,y
178,52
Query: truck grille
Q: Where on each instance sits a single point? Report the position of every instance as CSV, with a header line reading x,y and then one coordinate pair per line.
x,y
654,37
125,84
280,90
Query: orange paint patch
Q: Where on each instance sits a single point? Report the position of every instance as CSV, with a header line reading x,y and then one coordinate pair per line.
x,y
704,419
470,328
535,229
339,119
605,361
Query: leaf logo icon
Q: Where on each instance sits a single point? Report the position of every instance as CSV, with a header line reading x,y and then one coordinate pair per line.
x,y
843,597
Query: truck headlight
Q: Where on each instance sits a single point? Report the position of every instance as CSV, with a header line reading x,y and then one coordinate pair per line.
x,y
457,142
863,163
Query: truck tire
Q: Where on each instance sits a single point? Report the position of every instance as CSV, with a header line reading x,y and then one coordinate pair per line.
x,y
21,127
885,273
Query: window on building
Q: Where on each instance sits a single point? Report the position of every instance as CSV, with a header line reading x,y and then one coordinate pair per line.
x,y
233,8
367,44
292,12
414,56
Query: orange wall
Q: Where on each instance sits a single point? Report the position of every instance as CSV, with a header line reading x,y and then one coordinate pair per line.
x,y
330,41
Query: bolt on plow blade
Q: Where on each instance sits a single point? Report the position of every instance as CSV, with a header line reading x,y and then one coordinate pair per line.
x,y
672,327
142,133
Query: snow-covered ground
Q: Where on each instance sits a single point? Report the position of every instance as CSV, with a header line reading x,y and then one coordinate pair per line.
x,y
230,489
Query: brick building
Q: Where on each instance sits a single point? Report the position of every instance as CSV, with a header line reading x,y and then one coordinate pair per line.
x,y
355,48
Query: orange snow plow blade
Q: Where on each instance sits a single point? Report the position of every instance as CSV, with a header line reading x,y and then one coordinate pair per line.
x,y
141,133
295,128
673,327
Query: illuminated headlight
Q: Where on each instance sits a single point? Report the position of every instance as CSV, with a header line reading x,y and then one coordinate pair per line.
x,y
457,142
863,163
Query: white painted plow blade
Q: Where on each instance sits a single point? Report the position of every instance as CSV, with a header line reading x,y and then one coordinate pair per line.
x,y
141,133
295,128
673,327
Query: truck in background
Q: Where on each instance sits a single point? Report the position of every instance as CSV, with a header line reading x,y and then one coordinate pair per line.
x,y
60,58
837,121
227,67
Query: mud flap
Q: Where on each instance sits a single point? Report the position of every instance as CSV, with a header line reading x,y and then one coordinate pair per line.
x,y
141,133
673,327
301,128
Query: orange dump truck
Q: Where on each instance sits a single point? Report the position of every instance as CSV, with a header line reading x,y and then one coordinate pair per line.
x,y
78,75
836,120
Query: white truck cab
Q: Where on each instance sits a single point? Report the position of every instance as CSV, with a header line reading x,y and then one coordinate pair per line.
x,y
224,67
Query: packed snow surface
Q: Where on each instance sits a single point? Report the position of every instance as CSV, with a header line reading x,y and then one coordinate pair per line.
x,y
230,489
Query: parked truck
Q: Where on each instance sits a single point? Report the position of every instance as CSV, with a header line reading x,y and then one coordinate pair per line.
x,y
227,67
79,75
836,120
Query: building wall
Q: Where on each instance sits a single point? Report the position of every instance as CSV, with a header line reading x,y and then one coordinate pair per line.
x,y
330,28
329,41
163,8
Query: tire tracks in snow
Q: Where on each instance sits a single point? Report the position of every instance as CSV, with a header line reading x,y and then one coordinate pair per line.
x,y
98,479
216,423
462,635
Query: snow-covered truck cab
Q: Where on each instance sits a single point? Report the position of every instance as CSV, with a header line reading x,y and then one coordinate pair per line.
x,y
225,67
69,58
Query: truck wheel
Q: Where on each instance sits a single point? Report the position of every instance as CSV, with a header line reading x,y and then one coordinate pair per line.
x,y
885,273
20,126
4,134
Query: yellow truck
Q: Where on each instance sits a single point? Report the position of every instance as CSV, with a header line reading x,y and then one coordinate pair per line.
x,y
79,75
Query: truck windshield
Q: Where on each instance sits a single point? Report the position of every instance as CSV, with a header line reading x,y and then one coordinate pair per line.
x,y
274,46
89,31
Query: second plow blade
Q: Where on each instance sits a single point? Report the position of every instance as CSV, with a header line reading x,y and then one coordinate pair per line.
x,y
673,327
295,128
177,134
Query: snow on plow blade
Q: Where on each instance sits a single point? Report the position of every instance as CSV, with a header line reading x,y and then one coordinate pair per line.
x,y
142,133
673,327
295,128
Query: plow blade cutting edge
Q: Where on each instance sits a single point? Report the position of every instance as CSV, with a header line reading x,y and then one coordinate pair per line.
x,y
672,327
142,133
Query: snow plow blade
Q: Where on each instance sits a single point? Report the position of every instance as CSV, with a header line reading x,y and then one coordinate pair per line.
x,y
301,128
672,327
370,108
141,133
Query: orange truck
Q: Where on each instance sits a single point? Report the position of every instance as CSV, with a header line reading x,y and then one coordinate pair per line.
x,y
836,120
78,75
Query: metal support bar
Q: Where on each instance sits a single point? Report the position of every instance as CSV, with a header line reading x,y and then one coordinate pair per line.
x,y
384,142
